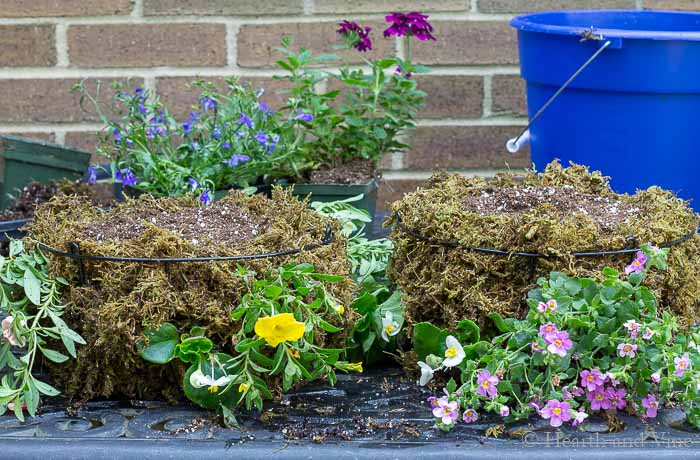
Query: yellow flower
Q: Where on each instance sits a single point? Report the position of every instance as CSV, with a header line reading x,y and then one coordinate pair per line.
x,y
213,389
340,309
243,387
355,367
294,353
279,328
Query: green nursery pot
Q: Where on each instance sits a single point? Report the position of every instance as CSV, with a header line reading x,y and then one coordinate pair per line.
x,y
334,192
27,160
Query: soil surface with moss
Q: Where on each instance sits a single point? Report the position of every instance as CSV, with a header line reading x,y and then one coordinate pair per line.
x,y
121,299
555,213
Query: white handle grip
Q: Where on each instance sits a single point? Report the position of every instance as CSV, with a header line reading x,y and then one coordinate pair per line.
x,y
515,144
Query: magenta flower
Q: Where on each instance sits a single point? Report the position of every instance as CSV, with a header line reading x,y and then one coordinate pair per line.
x,y
535,347
627,349
470,416
535,404
504,411
548,330
577,391
637,265
433,402
610,378
648,334
599,399
446,411
591,380
579,418
560,344
353,29
487,384
682,364
557,412
616,397
651,405
409,24
567,394
632,328
656,377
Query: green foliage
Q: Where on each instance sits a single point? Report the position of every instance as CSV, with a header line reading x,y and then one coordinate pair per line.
x,y
31,297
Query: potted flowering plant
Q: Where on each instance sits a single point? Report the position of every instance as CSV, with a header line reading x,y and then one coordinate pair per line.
x,y
363,115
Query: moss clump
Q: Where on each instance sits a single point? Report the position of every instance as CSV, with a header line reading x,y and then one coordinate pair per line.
x,y
444,285
121,299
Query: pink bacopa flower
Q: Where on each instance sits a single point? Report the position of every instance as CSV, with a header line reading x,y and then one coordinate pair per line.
x,y
446,411
433,402
611,379
579,418
504,411
470,416
577,391
487,384
682,364
651,405
548,330
599,399
627,349
559,344
591,380
557,412
548,306
632,328
656,377
541,307
535,347
637,265
616,397
567,394
648,334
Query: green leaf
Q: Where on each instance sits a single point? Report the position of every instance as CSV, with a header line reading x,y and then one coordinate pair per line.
x,y
428,339
328,327
451,385
53,355
46,389
367,303
272,291
32,287
16,247
500,323
467,332
161,344
202,396
327,278
193,349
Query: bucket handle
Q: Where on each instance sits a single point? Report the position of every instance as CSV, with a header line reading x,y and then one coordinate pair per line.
x,y
513,145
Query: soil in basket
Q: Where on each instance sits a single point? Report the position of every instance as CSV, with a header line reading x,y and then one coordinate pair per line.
x,y
357,171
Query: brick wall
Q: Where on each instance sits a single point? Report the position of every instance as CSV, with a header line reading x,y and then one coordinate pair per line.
x,y
475,103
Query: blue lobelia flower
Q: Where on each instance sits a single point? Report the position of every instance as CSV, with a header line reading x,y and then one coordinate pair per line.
x,y
92,175
236,159
127,177
193,183
262,138
245,120
205,197
207,103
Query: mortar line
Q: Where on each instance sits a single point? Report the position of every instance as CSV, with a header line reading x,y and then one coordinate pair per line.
x,y
308,7
232,31
137,11
397,159
59,137
468,122
474,6
61,36
487,101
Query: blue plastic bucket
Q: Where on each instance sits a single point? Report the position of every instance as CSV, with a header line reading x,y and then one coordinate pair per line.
x,y
634,113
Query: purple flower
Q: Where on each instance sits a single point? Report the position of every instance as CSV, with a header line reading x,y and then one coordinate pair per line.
x,y
579,418
548,330
559,344
616,397
648,334
591,380
353,29
225,145
262,138
557,412
637,265
117,136
651,405
305,117
577,391
207,103
632,328
265,110
536,406
470,416
193,184
187,125
446,411
433,402
142,108
236,159
410,24
274,139
156,128
504,411
138,92
535,347
682,364
205,197
487,384
92,175
245,120
216,133
599,399
127,177
656,377
609,377
627,349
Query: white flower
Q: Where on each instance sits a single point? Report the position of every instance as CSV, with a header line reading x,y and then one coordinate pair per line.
x,y
8,334
199,380
426,373
389,327
454,354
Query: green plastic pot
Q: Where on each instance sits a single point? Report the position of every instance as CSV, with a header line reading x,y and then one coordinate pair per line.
x,y
27,160
334,192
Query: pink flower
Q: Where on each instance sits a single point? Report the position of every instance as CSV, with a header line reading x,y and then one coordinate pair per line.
x,y
8,334
651,405
487,384
541,307
627,349
446,411
579,418
549,306
577,391
567,394
637,265
535,404
470,416
591,380
433,402
648,333
535,347
682,364
548,330
557,412
599,399
656,377
504,411
559,344
610,378
616,397
632,327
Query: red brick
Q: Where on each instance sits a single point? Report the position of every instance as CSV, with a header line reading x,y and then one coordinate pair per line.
x,y
688,5
61,8
86,141
393,190
179,97
521,6
463,147
222,7
27,46
49,101
469,42
257,43
452,96
384,6
508,94
147,45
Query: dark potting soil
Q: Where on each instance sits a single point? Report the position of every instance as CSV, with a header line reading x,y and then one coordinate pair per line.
x,y
606,211
219,222
357,171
